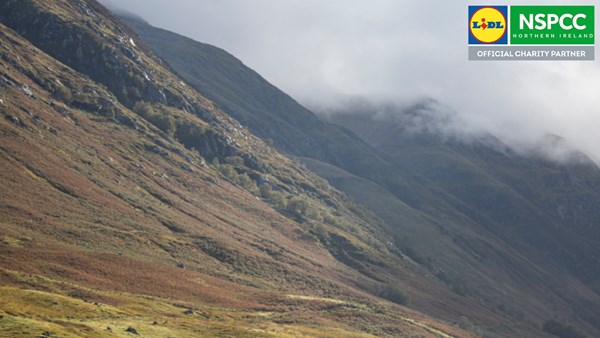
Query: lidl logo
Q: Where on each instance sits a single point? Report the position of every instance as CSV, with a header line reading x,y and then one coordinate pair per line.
x,y
531,25
488,25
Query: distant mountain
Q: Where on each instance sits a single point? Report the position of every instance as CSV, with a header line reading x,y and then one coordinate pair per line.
x,y
549,205
514,234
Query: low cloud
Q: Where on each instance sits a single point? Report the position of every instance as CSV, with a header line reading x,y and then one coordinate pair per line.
x,y
436,121
324,52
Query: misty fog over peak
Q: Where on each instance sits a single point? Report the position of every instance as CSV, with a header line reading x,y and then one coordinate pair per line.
x,y
421,116
324,52
429,119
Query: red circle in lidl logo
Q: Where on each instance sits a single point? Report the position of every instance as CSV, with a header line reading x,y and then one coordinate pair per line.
x,y
487,25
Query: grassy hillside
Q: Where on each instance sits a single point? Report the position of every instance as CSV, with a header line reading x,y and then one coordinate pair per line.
x,y
130,203
130,199
470,218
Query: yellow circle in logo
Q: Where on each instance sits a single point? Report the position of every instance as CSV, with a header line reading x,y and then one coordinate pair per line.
x,y
487,25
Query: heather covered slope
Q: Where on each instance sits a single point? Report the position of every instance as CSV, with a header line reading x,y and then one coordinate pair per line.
x,y
130,200
514,233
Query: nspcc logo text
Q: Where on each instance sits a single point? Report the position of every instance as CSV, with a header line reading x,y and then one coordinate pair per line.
x,y
552,25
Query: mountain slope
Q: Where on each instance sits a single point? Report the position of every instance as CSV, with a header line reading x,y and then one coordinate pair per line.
x,y
474,218
112,218
541,208
263,108
547,204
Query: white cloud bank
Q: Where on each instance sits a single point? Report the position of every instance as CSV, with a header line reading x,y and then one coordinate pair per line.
x,y
321,52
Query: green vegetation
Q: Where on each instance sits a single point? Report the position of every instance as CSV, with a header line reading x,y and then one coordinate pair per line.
x,y
34,313
160,116
235,161
229,170
299,207
190,134
275,197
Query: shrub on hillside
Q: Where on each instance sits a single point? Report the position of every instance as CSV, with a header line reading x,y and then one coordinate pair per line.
x,y
190,134
158,115
228,171
320,233
265,191
246,182
298,206
330,219
277,198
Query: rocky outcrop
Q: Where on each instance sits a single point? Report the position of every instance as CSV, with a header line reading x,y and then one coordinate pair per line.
x,y
114,61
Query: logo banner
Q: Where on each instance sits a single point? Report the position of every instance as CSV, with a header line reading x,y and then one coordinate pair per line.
x,y
565,33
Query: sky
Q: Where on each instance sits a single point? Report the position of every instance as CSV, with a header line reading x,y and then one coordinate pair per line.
x,y
324,52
